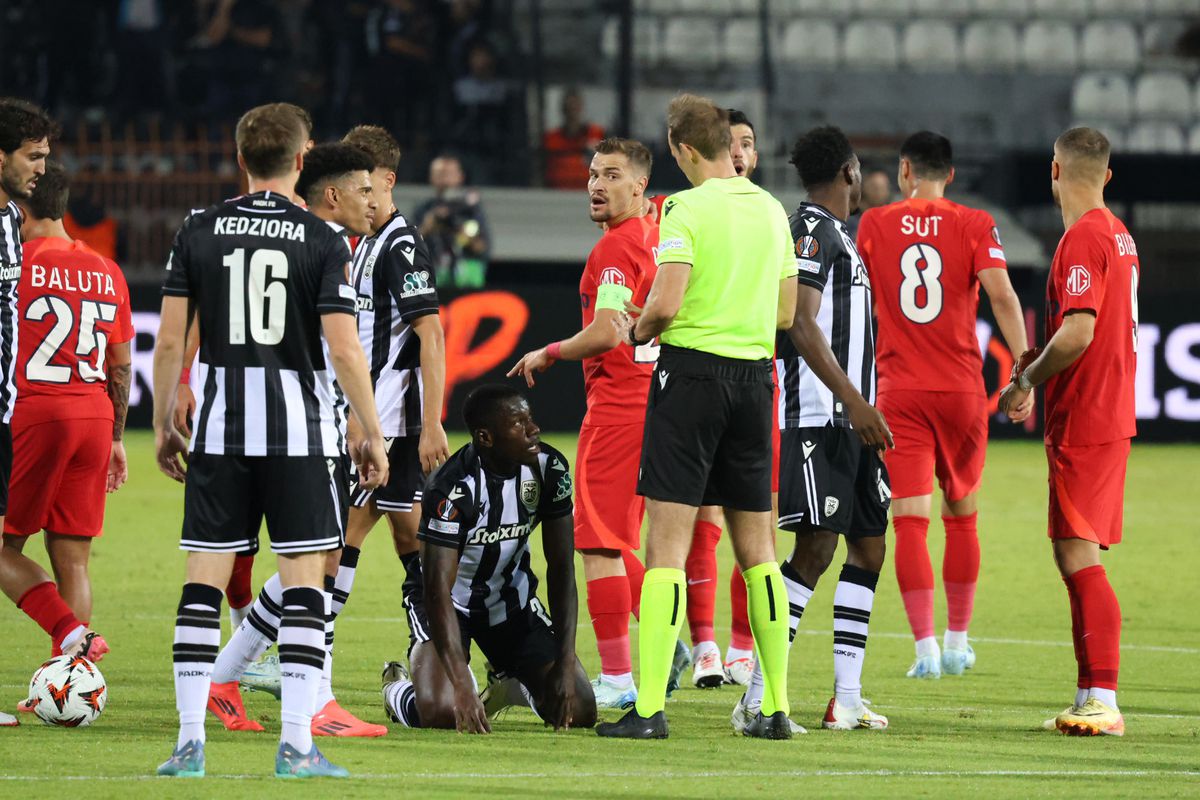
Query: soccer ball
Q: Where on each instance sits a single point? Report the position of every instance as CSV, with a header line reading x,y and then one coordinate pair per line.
x,y
68,691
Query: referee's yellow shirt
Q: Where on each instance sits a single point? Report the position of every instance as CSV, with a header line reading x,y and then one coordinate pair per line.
x,y
737,239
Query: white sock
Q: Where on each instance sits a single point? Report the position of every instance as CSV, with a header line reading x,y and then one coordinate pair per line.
x,y
928,647
237,615
955,640
733,654
705,647
622,681
301,659
400,698
798,597
325,690
1081,696
72,637
852,602
197,639
1106,696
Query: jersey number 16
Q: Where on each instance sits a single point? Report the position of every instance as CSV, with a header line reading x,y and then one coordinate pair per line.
x,y
265,292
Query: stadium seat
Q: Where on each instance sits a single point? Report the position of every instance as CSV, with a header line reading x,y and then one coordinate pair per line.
x,y
1002,9
646,46
1163,96
810,43
809,9
1160,36
990,46
742,44
1118,8
882,8
691,42
1060,9
931,45
869,43
1102,96
1110,44
1156,137
1194,139
944,9
1049,47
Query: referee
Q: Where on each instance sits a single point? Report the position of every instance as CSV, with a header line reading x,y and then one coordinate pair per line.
x,y
724,286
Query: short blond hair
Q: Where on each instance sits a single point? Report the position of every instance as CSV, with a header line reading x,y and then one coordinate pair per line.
x,y
269,138
637,153
700,123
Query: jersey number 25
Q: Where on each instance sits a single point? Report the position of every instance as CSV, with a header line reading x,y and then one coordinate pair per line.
x,y
39,369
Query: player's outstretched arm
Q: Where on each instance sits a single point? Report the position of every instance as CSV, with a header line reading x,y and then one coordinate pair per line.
x,y
558,543
439,566
1006,307
810,342
168,363
119,369
350,367
1063,350
596,339
433,447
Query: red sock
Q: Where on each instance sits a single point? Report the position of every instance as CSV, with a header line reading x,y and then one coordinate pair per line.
x,y
635,571
701,569
914,573
45,606
609,606
238,591
740,637
1101,617
1084,680
960,569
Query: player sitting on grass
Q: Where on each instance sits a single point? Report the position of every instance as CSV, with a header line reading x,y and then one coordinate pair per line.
x,y
478,513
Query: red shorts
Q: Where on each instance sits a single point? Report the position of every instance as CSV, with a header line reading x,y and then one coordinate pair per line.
x,y
608,510
936,433
1087,491
60,472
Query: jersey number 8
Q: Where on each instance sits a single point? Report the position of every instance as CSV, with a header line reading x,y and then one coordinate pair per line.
x,y
267,301
921,265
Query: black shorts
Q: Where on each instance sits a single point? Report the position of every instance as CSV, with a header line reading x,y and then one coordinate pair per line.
x,y
708,431
829,479
520,647
225,499
6,461
412,594
405,478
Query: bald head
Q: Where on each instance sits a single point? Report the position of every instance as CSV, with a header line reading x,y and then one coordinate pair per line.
x,y
1082,156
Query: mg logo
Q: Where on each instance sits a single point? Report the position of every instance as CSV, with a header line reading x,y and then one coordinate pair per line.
x,y
1079,280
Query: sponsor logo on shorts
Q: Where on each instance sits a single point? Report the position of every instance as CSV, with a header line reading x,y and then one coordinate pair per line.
x,y
807,246
662,378
881,484
1079,280
831,505
531,492
808,448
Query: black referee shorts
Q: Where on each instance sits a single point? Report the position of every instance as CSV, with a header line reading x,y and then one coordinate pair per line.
x,y
226,498
829,480
707,439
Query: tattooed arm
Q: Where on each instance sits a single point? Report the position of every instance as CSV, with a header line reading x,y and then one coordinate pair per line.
x,y
120,376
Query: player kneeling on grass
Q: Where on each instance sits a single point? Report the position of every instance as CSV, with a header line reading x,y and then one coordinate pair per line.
x,y
478,513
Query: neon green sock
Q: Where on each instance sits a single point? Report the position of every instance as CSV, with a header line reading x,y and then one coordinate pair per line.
x,y
768,611
664,600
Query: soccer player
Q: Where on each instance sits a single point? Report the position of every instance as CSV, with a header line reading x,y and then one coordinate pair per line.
x,y
479,512
1088,365
832,479
73,375
608,520
724,285
25,134
266,281
927,257
336,187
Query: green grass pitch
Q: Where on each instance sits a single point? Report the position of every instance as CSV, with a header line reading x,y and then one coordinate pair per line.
x,y
976,734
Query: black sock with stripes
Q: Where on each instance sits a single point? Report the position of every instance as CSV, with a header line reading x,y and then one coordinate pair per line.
x,y
852,603
343,582
400,701
197,640
301,659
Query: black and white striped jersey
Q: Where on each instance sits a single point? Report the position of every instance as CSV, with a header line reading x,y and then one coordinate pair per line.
x,y
261,271
827,260
488,519
393,277
10,275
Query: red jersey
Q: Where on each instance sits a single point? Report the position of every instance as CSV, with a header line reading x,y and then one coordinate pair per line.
x,y
924,258
72,302
1095,269
618,382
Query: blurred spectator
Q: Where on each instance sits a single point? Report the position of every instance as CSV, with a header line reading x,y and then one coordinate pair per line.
x,y
489,119
402,35
876,189
242,45
465,25
141,49
454,227
568,149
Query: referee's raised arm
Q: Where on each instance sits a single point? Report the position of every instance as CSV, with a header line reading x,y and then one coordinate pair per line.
x,y
725,285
